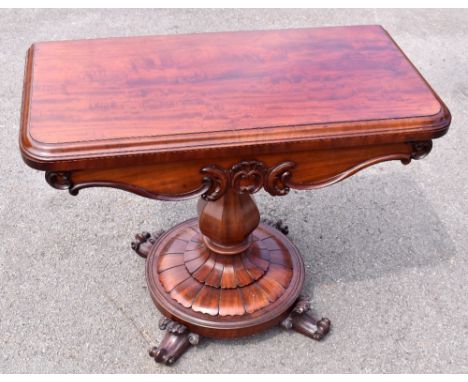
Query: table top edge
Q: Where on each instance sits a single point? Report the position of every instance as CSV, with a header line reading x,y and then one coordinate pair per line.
x,y
45,156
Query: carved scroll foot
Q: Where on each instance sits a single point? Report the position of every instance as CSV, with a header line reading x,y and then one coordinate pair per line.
x,y
302,321
278,224
144,241
175,342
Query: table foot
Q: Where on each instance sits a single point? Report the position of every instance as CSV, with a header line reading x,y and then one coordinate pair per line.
x,y
176,341
278,224
302,321
144,241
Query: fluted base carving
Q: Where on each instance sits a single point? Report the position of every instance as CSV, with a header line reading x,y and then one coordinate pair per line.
x,y
214,295
224,296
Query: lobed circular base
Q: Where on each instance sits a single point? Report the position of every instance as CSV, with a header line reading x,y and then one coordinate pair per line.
x,y
224,296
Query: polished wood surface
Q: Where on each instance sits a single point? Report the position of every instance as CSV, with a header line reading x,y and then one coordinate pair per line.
x,y
184,179
222,296
228,222
223,285
221,116
165,98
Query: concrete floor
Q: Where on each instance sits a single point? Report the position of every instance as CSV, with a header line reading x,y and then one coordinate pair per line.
x,y
386,250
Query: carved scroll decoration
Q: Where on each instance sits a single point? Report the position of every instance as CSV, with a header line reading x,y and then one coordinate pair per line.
x,y
277,178
144,241
217,180
248,177
176,341
59,180
244,177
419,150
302,321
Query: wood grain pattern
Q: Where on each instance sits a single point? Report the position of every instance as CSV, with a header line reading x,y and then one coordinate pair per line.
x,y
220,284
242,307
224,115
162,98
182,179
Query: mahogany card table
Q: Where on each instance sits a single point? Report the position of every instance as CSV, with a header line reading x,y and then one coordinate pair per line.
x,y
221,116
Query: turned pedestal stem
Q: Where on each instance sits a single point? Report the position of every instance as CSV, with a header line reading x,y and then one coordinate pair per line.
x,y
225,274
227,223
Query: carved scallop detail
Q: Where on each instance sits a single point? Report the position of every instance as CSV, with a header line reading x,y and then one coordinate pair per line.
x,y
223,285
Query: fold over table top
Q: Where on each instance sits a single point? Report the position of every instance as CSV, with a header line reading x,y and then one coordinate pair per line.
x,y
174,97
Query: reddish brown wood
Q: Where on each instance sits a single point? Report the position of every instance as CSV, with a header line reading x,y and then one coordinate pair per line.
x,y
219,284
186,292
223,115
231,303
242,306
207,301
91,104
202,273
243,276
312,169
302,321
144,241
173,277
170,261
227,223
175,342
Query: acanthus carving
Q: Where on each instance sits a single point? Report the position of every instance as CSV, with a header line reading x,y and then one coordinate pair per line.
x,y
301,320
248,177
144,241
217,180
244,177
277,178
175,342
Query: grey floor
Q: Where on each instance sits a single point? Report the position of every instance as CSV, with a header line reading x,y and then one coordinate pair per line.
x,y
386,250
